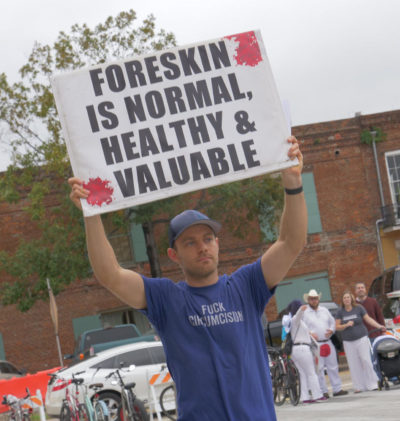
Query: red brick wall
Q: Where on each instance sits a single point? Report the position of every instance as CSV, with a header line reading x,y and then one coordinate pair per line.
x,y
349,204
348,197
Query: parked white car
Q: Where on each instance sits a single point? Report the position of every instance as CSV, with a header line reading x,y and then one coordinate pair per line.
x,y
148,358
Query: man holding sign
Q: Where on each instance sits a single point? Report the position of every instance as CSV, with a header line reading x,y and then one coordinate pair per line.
x,y
209,324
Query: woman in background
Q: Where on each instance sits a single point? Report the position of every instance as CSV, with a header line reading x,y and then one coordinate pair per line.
x,y
349,319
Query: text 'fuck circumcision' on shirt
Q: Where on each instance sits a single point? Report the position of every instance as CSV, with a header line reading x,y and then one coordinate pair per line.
x,y
215,314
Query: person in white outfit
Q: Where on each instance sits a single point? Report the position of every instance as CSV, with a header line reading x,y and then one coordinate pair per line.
x,y
349,319
321,326
310,390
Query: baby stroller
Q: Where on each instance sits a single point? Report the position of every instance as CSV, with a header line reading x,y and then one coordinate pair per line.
x,y
386,359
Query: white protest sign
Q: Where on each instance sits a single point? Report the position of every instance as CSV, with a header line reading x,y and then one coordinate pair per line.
x,y
171,122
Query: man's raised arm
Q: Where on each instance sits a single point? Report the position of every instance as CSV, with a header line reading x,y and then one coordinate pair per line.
x,y
279,258
127,285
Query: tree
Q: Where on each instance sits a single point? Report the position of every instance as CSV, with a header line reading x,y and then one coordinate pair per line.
x,y
39,158
235,204
372,135
40,165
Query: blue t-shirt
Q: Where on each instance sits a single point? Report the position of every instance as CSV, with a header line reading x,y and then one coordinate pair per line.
x,y
214,345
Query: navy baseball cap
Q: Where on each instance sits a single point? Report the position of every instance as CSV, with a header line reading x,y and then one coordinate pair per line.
x,y
185,220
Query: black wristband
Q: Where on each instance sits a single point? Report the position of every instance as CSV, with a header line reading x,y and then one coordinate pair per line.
x,y
294,191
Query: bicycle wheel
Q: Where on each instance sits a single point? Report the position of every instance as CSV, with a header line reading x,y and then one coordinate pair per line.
x,y
123,411
293,382
168,401
83,412
65,413
26,416
90,408
278,385
100,411
138,410
19,413
113,402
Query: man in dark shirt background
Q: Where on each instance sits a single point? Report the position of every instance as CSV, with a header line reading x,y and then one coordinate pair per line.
x,y
372,307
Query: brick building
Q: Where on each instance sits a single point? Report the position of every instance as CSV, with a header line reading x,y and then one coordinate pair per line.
x,y
354,233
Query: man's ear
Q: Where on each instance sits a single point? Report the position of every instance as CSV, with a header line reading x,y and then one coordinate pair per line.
x,y
172,255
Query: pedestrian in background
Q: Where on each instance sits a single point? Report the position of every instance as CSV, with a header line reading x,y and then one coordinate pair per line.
x,y
310,390
372,308
349,319
321,326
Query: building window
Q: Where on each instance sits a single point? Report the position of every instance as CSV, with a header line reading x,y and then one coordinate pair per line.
x,y
393,168
128,242
310,194
294,288
125,316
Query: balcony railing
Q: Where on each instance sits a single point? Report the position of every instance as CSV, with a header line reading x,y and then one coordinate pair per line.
x,y
391,215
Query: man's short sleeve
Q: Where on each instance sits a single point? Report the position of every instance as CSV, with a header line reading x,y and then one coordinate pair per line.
x,y
251,278
157,297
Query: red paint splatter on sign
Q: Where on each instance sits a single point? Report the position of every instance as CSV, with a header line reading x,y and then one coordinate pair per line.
x,y
100,191
248,52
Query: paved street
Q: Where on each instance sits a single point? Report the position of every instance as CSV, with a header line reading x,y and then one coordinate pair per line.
x,y
366,406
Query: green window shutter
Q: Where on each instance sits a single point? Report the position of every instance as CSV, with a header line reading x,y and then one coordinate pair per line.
x,y
314,220
2,352
294,288
138,243
81,324
310,194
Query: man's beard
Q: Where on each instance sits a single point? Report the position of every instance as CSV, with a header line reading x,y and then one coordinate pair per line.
x,y
199,274
314,306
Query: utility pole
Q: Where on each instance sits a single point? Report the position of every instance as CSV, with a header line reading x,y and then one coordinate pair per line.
x,y
151,248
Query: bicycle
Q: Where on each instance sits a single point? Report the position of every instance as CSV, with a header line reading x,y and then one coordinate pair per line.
x,y
131,408
285,377
98,410
72,409
16,405
168,395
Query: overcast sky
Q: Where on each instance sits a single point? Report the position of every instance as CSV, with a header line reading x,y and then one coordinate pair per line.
x,y
330,58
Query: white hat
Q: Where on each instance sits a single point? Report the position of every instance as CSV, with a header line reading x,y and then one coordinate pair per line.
x,y
311,293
